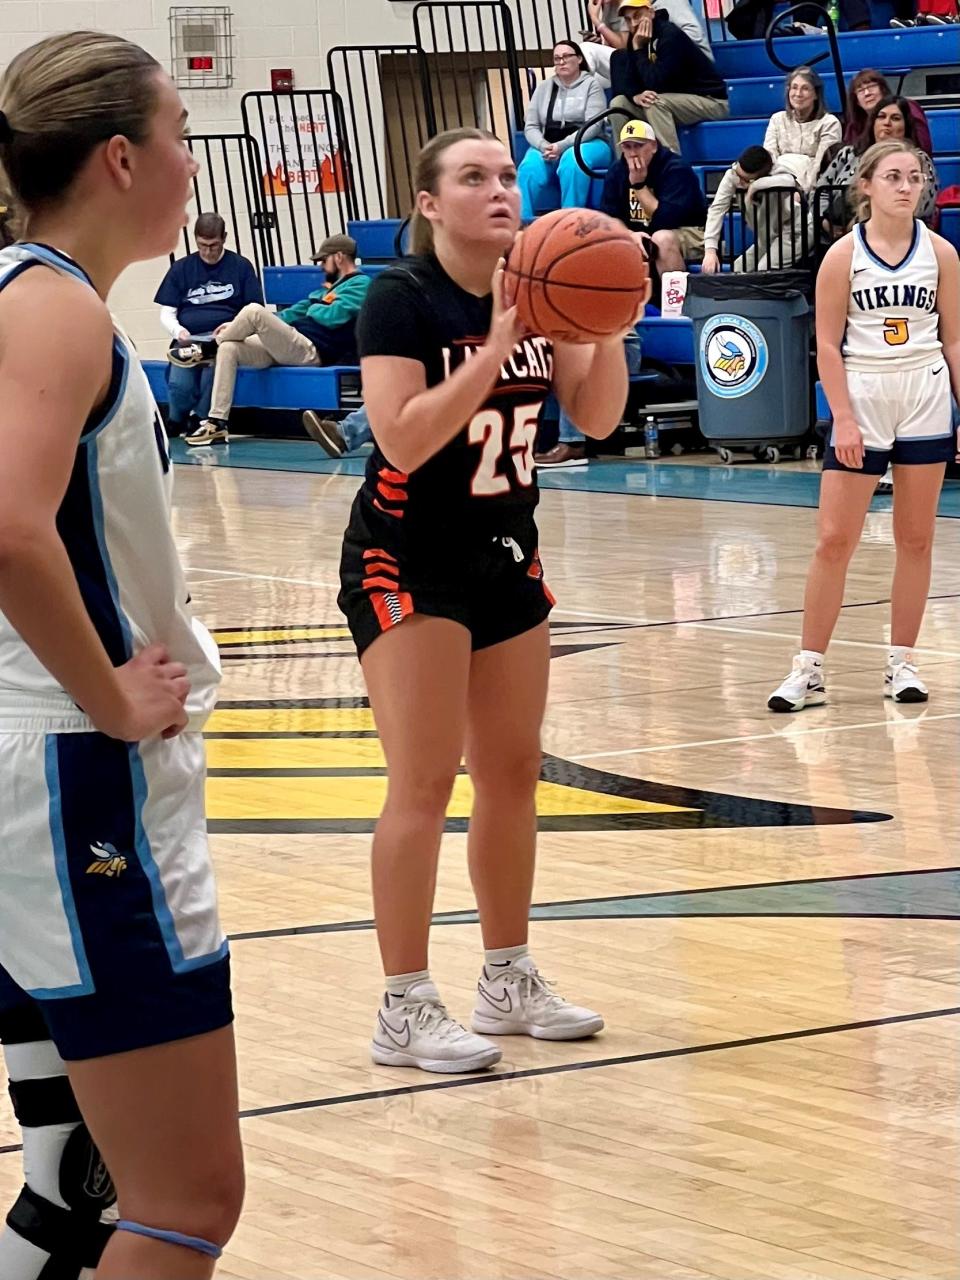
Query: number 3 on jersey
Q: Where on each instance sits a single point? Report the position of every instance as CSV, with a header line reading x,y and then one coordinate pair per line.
x,y
488,429
896,332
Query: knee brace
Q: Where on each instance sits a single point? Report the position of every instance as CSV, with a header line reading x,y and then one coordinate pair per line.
x,y
194,1243
56,1228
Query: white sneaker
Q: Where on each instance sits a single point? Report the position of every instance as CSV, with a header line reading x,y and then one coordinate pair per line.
x,y
207,433
514,1000
415,1030
885,483
901,682
803,687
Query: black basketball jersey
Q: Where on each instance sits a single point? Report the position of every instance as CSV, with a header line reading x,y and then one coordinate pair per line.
x,y
485,476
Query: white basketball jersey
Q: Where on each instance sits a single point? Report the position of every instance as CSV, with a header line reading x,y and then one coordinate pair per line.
x,y
892,319
114,521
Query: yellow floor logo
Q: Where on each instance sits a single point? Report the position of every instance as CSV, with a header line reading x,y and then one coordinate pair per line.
x,y
316,765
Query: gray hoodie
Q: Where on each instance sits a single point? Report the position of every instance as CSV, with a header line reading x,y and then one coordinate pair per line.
x,y
574,104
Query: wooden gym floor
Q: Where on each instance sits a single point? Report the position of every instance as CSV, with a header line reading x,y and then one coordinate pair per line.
x,y
765,908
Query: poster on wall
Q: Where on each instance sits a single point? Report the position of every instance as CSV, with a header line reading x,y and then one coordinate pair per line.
x,y
302,151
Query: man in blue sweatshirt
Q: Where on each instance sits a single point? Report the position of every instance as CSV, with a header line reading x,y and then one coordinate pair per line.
x,y
198,294
662,76
320,330
657,196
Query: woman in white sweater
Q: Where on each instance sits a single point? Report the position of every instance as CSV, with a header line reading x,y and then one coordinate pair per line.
x,y
798,136
556,111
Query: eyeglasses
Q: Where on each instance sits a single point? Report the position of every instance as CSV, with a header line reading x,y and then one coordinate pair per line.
x,y
895,178
565,57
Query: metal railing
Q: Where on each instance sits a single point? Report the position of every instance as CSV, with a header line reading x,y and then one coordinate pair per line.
x,y
307,176
470,53
818,15
229,183
385,92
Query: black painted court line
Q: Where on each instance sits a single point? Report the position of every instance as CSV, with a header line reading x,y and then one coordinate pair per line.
x,y
564,1068
625,1060
444,917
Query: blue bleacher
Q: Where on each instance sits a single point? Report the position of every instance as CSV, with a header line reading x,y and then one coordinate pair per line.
x,y
280,387
916,48
717,141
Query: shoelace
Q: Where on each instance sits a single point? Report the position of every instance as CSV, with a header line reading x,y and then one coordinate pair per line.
x,y
432,1016
537,989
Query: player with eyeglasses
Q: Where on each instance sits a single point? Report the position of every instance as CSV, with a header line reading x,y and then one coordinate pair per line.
x,y
888,351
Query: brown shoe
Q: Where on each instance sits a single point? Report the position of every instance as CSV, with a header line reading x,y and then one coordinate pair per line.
x,y
563,455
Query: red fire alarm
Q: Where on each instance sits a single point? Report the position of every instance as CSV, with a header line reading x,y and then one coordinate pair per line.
x,y
200,64
281,79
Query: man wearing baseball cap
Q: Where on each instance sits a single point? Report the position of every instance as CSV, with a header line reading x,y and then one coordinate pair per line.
x,y
320,330
662,76
657,196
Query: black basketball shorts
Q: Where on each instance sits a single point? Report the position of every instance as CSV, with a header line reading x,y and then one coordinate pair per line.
x,y
489,582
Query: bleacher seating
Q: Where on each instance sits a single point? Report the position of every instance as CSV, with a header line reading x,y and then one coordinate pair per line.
x,y
917,48
756,91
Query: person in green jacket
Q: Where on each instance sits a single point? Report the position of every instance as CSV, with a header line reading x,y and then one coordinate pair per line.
x,y
320,330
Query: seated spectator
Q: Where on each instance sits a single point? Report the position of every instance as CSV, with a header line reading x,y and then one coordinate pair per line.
x,y
663,77
657,196
317,331
199,293
556,111
924,13
771,207
337,438
835,198
865,91
571,447
611,28
799,135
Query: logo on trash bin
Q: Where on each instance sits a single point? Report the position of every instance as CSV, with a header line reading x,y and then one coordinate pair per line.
x,y
733,356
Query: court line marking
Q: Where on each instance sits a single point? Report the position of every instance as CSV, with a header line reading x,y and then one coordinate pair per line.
x,y
770,734
261,577
780,635
563,1068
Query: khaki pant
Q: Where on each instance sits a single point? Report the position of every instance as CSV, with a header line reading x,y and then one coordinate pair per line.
x,y
669,110
255,339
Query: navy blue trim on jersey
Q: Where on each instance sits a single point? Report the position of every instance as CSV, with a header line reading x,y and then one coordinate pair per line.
x,y
18,270
80,526
904,261
85,985
137,997
161,910
106,411
56,258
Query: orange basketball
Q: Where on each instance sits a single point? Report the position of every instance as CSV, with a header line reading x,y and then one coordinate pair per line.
x,y
578,276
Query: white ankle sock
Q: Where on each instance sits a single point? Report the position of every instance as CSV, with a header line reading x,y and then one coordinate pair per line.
x,y
811,656
506,955
899,653
397,984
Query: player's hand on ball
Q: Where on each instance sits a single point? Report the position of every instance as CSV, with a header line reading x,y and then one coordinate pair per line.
x,y
505,327
153,693
848,442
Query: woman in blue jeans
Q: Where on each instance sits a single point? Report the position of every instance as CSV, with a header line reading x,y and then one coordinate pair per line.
x,y
556,111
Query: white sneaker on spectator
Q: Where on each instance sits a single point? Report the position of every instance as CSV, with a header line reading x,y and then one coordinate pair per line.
x,y
803,687
514,999
208,432
885,483
901,682
415,1030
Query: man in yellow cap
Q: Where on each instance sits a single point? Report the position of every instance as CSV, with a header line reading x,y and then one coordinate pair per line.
x,y
657,196
662,76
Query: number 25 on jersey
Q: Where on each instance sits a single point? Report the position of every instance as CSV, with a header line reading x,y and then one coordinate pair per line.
x,y
488,429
